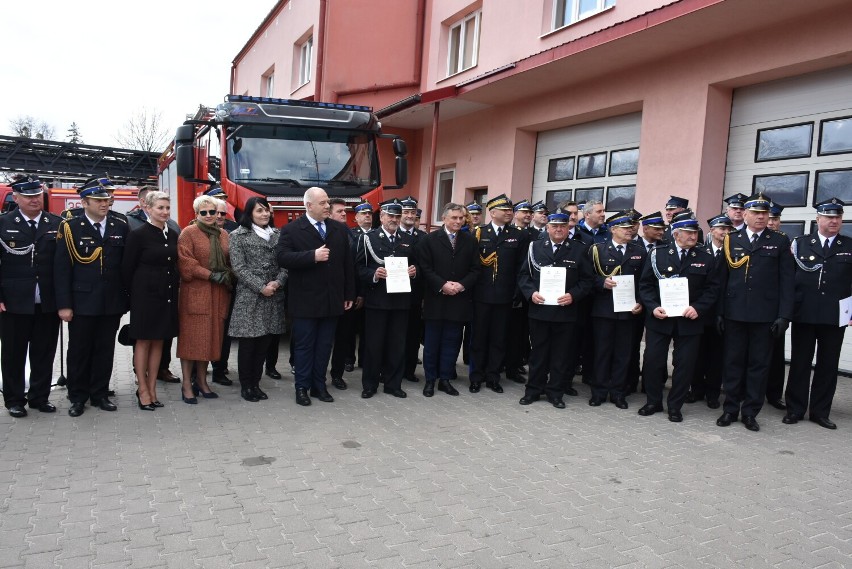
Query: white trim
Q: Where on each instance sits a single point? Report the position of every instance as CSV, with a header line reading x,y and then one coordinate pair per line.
x,y
575,17
306,56
459,56
439,206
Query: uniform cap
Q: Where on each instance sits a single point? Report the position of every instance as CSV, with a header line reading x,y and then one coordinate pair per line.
x,y
408,203
653,220
676,202
775,209
474,207
685,220
539,206
393,207
523,205
499,202
620,219
216,192
757,202
363,206
720,221
28,186
736,200
98,188
831,207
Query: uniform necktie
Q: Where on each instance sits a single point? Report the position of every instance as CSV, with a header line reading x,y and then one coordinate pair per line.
x,y
718,252
320,229
392,240
620,250
826,246
33,226
650,247
754,237
98,229
499,231
556,248
682,256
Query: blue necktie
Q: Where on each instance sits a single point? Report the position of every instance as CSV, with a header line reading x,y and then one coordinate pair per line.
x,y
320,229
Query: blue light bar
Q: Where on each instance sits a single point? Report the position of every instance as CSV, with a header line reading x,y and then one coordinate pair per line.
x,y
296,103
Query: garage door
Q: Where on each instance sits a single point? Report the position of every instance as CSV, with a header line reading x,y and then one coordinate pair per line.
x,y
591,160
792,139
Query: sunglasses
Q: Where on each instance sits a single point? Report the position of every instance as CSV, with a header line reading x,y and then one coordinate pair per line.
x,y
206,212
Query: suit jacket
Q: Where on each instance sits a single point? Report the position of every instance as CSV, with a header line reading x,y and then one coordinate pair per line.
x,y
579,278
376,294
19,274
817,292
760,290
95,288
440,263
699,269
498,283
417,236
630,263
316,290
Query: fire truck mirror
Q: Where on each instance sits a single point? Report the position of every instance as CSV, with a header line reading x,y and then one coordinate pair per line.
x,y
185,134
185,161
213,164
401,170
399,147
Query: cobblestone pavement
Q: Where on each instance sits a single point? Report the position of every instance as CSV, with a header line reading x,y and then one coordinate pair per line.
x,y
468,481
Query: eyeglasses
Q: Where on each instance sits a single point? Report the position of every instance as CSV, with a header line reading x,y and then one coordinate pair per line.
x,y
206,212
221,213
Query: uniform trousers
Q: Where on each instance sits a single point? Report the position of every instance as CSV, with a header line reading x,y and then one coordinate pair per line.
x,y
488,341
91,347
634,368
518,338
684,356
441,348
312,341
612,339
385,348
775,380
21,334
251,358
413,337
707,377
344,341
587,341
553,348
826,340
747,347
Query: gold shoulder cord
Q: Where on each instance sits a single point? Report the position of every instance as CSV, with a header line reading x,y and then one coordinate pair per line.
x,y
597,259
731,263
65,232
490,260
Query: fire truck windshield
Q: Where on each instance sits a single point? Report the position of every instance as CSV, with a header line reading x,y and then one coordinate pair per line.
x,y
272,159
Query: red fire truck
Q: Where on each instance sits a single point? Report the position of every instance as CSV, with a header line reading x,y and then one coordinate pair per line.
x,y
277,148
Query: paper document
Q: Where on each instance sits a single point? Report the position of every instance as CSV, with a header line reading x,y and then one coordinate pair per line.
x,y
552,284
845,311
398,279
624,294
674,295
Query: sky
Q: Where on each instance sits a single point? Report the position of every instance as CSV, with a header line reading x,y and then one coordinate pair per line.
x,y
97,63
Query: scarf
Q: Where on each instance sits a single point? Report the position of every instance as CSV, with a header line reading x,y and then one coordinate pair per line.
x,y
217,262
263,232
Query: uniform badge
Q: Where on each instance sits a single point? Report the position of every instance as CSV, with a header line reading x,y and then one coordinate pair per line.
x,y
17,220
12,244
671,251
670,269
812,258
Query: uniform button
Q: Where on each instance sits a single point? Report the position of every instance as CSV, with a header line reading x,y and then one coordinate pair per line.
x,y
169,300
169,259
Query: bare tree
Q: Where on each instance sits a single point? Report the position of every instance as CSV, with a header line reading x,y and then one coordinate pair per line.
x,y
30,127
144,131
74,135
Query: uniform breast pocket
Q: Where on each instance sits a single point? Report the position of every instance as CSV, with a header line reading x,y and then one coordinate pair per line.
x,y
693,270
842,259
764,252
511,244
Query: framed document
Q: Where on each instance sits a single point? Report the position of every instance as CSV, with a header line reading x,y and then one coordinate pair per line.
x,y
552,284
398,279
624,293
674,295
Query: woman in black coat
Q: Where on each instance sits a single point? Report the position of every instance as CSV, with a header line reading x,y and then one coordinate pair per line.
x,y
150,271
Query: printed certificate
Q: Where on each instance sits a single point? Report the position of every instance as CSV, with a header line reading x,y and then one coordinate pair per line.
x,y
674,295
845,311
552,284
624,294
398,279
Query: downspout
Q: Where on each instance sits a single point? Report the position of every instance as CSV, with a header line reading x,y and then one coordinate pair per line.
x,y
320,44
433,156
233,78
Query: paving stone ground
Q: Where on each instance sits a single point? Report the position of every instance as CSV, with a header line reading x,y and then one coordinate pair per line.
x,y
447,482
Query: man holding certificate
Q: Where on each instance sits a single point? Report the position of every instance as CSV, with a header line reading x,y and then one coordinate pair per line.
x,y
385,265
679,288
617,262
555,275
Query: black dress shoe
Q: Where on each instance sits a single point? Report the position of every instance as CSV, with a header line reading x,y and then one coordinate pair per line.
x,y
649,409
221,379
17,411
556,402
791,418
475,386
571,391
595,401
750,423
46,407
167,376
823,422
713,403
447,387
675,416
396,393
349,367
515,376
367,393
302,396
620,402
429,389
273,373
494,386
77,409
725,419
339,383
258,392
777,403
528,400
105,404
412,378
248,394
690,397
323,396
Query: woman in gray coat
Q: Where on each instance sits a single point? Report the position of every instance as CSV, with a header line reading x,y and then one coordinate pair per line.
x,y
258,314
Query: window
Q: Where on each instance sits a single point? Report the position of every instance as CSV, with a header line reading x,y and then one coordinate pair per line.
x,y
560,169
463,50
567,12
267,87
306,51
443,191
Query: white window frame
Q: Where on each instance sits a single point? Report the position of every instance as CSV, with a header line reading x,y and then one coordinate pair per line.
x,y
457,58
573,6
439,207
306,54
269,85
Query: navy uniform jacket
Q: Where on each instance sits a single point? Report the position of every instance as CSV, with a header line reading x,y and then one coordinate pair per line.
x,y
439,263
817,293
579,277
95,288
764,293
536,234
582,236
20,273
701,273
376,293
78,211
631,264
316,290
500,286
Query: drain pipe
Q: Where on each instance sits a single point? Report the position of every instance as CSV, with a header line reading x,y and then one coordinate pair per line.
x,y
433,154
320,46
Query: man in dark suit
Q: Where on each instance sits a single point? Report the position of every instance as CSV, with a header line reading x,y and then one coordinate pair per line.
x,y
414,329
449,264
553,329
29,323
343,353
385,312
756,304
90,295
823,277
680,260
777,366
502,250
613,330
316,252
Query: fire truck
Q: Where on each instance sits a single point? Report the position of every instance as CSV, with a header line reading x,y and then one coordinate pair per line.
x,y
277,148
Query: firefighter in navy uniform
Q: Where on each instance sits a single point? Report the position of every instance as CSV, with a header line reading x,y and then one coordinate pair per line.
x,y
735,209
823,277
29,323
683,258
502,249
756,304
538,225
474,211
90,295
108,186
414,330
518,336
613,331
777,368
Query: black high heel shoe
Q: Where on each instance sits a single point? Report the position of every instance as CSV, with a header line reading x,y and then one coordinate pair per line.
x,y
204,394
157,404
148,407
